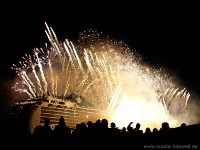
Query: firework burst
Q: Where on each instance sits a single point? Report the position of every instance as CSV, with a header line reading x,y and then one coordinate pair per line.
x,y
104,74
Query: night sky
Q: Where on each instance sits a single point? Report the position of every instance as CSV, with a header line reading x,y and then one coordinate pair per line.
x,y
166,34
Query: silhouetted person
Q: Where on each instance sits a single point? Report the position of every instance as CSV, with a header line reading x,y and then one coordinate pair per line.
x,y
83,129
137,126
123,138
61,134
165,133
104,124
81,137
148,131
103,133
137,129
113,130
37,130
183,126
155,131
155,136
134,136
137,134
43,135
112,125
148,136
165,126
91,136
124,130
183,134
37,136
129,128
46,130
61,129
98,125
77,129
91,127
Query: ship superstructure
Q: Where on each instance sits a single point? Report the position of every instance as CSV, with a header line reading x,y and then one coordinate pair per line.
x,y
33,112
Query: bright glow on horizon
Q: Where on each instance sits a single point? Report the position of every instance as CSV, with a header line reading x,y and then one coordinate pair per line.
x,y
139,111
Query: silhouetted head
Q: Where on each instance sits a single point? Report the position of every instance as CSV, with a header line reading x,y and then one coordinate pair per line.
x,y
78,126
62,121
123,129
165,126
183,126
112,125
98,124
37,129
155,131
89,123
148,130
46,122
104,123
83,128
138,126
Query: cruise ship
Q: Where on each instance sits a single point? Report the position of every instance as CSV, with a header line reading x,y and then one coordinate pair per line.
x,y
30,113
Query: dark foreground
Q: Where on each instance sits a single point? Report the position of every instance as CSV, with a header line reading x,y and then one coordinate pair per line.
x,y
98,135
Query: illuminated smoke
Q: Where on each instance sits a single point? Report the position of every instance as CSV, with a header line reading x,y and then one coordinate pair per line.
x,y
107,75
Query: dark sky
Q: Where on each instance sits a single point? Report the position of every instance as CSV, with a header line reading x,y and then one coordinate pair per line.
x,y
165,33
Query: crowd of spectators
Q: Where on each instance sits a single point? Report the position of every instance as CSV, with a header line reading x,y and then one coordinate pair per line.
x,y
95,135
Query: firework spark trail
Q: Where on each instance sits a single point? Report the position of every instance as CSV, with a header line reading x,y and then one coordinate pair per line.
x,y
77,57
179,100
66,88
94,75
88,62
30,84
53,40
27,84
22,74
186,99
29,94
30,63
107,74
69,54
67,81
101,90
38,81
108,77
42,73
72,55
51,77
82,83
88,87
169,95
56,86
165,109
114,98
